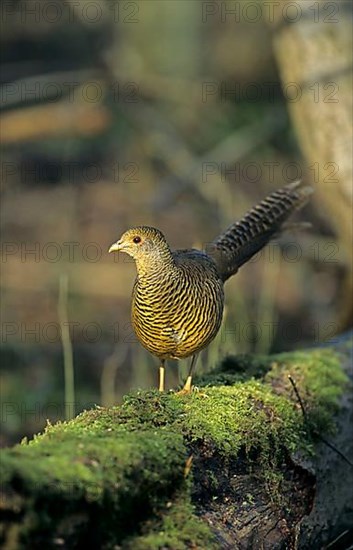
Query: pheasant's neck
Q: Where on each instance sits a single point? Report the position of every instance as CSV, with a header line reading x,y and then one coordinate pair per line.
x,y
155,265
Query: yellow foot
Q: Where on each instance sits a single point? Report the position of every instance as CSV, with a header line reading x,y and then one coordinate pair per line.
x,y
183,392
187,388
193,389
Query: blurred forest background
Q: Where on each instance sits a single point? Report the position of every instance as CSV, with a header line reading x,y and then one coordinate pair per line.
x,y
179,115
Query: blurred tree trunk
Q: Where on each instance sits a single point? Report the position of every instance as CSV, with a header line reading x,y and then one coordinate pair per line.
x,y
313,47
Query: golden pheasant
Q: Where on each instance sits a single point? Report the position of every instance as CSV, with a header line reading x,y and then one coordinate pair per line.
x,y
178,297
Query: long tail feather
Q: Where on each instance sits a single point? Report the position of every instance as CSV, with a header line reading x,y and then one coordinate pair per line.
x,y
246,237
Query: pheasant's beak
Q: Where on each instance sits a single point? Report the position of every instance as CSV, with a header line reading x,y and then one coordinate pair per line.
x,y
116,247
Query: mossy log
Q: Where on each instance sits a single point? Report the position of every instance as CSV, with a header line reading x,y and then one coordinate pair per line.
x,y
235,464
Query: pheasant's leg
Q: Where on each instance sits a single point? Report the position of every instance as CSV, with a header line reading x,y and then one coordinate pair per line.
x,y
161,376
187,386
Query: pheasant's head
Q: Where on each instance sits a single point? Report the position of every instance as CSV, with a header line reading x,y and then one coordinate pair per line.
x,y
145,244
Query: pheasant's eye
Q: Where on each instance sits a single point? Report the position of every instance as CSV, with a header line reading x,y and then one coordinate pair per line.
x,y
136,240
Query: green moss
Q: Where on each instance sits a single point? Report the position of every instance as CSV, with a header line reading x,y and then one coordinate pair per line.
x,y
260,416
319,379
177,528
225,418
118,481
245,414
236,368
318,376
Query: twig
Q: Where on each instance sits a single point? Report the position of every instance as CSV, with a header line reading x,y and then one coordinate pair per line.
x,y
337,539
67,349
306,420
110,367
299,399
331,446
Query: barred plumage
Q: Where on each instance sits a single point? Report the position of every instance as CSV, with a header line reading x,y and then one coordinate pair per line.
x,y
178,309
245,238
178,298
